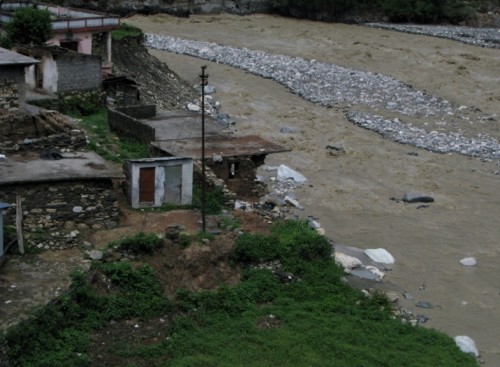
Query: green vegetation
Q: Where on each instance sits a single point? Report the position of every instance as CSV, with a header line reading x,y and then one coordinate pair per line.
x,y
140,243
58,334
314,320
106,143
125,31
85,104
28,25
185,239
424,11
214,199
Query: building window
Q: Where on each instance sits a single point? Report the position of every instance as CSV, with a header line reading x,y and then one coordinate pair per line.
x,y
234,170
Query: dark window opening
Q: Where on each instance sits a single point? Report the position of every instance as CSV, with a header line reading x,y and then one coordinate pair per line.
x,y
69,44
234,170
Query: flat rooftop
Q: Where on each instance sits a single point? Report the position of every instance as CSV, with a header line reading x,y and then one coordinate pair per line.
x,y
174,125
30,168
220,145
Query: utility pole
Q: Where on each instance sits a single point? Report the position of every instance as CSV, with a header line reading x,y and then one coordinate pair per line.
x,y
204,82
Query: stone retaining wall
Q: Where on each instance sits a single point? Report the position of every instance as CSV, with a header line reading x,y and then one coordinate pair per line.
x,y
9,95
130,127
56,213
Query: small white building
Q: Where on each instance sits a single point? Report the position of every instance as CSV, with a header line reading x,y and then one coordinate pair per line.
x,y
152,182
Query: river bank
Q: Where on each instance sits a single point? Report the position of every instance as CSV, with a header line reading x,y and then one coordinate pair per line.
x,y
350,193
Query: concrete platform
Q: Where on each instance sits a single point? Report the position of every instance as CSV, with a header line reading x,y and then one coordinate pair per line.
x,y
29,167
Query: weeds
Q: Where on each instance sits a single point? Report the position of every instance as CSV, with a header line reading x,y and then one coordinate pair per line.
x,y
107,144
140,243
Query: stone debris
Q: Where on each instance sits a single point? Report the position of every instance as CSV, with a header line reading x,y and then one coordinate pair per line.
x,y
466,345
334,86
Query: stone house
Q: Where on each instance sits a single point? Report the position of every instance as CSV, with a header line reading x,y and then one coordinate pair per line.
x,y
12,77
61,198
61,70
73,28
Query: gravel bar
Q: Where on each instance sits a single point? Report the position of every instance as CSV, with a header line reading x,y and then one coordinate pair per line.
x,y
484,37
334,86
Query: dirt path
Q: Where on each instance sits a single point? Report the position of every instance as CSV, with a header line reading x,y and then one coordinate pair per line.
x,y
351,193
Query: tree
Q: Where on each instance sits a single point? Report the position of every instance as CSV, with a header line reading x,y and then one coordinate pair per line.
x,y
29,25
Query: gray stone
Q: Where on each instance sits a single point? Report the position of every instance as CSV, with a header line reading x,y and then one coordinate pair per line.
x,y
288,130
95,255
77,209
414,197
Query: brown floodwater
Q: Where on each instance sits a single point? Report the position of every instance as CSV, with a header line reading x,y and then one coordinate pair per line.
x,y
350,193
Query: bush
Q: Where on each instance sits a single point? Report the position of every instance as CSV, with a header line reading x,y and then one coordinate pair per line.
x,y
126,30
214,199
140,243
84,104
290,241
29,25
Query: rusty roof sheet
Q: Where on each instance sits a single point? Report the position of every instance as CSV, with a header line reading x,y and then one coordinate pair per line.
x,y
220,145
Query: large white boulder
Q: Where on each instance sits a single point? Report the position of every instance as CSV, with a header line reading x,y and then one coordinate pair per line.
x,y
285,173
468,261
380,255
466,345
348,262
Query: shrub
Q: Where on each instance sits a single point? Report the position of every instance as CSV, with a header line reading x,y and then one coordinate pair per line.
x,y
29,25
214,199
140,243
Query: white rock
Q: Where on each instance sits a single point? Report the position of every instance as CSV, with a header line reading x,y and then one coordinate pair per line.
x,y
466,345
348,262
468,261
193,107
320,231
77,209
314,224
380,255
293,202
375,271
284,173
2,157
95,255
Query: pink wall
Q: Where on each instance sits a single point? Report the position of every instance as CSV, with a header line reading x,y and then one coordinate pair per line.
x,y
84,41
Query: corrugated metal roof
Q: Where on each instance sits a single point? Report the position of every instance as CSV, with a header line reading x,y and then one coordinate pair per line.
x,y
13,58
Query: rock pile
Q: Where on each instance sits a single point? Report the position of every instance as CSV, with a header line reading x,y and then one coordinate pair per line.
x,y
334,86
484,37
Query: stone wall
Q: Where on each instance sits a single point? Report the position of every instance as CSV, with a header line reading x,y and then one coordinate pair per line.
x,y
9,95
56,214
77,72
139,111
130,127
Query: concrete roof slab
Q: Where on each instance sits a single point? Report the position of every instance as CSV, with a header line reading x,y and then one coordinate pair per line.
x,y
8,57
74,166
220,145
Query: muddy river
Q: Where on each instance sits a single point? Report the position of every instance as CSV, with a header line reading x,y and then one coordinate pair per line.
x,y
351,193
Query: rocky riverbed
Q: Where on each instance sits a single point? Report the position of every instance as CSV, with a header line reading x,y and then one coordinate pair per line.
x,y
334,86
